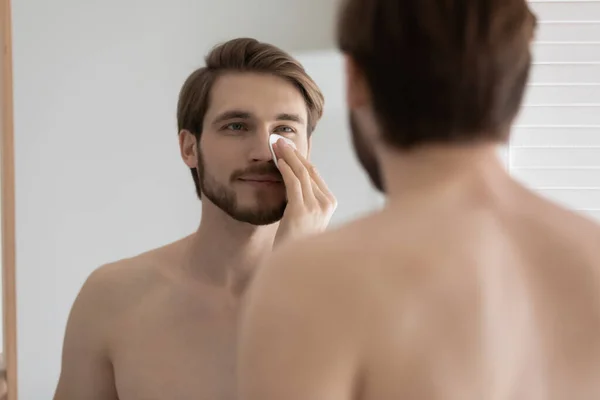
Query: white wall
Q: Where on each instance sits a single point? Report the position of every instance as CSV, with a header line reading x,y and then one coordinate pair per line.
x,y
98,175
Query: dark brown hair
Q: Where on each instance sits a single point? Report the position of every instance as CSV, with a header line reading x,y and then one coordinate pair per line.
x,y
242,55
451,71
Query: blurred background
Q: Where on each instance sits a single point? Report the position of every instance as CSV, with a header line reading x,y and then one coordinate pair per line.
x,y
98,171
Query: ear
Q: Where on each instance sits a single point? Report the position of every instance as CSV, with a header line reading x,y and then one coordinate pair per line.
x,y
357,89
188,147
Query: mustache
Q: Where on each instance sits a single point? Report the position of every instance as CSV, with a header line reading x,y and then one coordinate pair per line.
x,y
268,168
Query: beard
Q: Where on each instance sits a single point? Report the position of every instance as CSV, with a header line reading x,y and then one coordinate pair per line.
x,y
365,153
226,198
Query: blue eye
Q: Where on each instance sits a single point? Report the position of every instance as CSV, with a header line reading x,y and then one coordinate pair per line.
x,y
285,129
235,126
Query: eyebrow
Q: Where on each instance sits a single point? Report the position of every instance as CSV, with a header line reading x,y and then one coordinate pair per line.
x,y
289,117
233,114
239,114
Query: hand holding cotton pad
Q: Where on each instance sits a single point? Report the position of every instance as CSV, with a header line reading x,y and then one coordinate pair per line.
x,y
273,139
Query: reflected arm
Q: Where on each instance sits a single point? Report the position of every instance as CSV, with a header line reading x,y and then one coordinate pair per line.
x,y
86,371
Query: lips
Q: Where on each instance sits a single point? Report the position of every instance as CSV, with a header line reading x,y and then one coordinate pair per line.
x,y
261,178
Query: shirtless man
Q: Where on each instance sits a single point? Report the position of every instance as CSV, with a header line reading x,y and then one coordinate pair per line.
x,y
467,285
163,325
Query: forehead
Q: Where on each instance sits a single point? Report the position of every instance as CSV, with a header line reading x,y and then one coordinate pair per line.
x,y
262,95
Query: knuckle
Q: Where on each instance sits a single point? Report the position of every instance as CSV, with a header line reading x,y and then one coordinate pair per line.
x,y
313,208
330,208
305,175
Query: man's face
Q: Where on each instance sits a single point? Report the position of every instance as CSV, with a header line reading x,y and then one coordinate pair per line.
x,y
365,152
235,166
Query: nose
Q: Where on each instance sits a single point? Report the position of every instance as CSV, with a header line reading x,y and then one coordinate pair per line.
x,y
259,149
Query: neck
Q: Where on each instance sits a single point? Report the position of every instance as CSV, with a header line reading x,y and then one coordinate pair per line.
x,y
225,252
443,172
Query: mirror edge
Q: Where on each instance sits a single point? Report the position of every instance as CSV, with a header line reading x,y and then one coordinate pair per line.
x,y
8,207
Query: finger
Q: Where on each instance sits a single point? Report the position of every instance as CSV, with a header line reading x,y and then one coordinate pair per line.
x,y
321,197
290,156
326,199
292,184
318,180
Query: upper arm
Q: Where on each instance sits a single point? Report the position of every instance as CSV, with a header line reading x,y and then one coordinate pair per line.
x,y
86,371
300,333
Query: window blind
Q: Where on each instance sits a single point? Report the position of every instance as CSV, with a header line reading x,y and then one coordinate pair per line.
x,y
555,144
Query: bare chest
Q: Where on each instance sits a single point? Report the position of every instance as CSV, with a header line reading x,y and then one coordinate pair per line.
x,y
179,354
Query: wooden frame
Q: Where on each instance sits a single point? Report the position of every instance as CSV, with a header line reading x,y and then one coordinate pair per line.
x,y
8,202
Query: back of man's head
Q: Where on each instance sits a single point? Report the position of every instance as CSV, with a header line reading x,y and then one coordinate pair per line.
x,y
451,71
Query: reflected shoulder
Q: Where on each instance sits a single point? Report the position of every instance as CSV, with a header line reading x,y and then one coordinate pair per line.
x,y
116,286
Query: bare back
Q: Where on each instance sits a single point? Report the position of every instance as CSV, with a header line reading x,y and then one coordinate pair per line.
x,y
140,331
494,302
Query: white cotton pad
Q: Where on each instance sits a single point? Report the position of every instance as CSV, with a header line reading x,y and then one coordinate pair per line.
x,y
274,138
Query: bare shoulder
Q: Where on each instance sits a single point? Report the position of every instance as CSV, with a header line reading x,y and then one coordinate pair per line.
x,y
330,264
108,297
304,304
583,231
114,288
108,285
570,230
328,252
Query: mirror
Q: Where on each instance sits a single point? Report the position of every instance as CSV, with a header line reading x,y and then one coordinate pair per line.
x,y
99,171
8,353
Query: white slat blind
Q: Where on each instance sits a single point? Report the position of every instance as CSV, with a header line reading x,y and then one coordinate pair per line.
x,y
555,145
